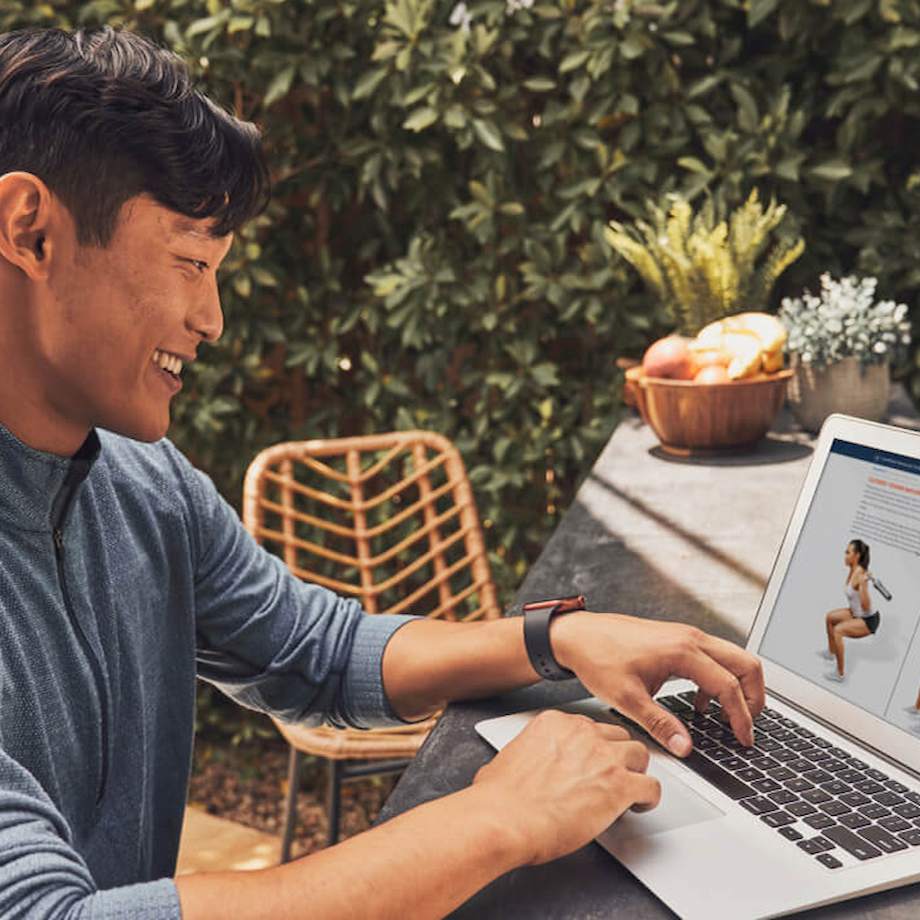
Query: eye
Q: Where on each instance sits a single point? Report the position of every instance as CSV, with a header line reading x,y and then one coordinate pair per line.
x,y
200,265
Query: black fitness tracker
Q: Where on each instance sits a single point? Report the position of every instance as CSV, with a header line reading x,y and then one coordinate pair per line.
x,y
537,617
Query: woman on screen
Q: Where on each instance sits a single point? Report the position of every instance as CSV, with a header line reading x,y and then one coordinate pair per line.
x,y
858,619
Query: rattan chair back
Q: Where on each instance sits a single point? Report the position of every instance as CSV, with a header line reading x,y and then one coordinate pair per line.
x,y
389,519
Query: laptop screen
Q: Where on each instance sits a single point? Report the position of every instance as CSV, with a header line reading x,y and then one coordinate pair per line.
x,y
865,511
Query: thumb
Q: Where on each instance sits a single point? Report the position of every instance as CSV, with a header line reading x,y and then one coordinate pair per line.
x,y
662,725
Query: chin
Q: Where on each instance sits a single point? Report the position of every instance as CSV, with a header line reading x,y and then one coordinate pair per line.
x,y
138,428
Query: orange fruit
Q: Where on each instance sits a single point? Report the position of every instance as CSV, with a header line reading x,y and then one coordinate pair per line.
x,y
712,373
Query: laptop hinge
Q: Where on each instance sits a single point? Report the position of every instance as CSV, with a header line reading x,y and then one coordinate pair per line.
x,y
836,729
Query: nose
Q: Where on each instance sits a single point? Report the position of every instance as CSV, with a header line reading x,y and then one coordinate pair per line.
x,y
207,319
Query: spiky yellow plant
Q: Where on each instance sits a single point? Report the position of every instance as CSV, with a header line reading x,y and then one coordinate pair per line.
x,y
703,267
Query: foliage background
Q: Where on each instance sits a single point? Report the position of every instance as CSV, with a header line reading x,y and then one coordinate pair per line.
x,y
433,255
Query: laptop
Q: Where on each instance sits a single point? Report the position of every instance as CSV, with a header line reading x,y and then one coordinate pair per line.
x,y
826,805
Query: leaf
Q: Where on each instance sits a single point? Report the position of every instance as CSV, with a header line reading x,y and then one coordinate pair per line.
x,y
573,61
420,119
693,164
759,10
540,84
488,134
368,83
832,170
279,86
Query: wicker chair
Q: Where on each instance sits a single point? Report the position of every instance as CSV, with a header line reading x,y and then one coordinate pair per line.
x,y
391,520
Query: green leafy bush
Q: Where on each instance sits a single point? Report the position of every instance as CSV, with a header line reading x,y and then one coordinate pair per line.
x,y
434,255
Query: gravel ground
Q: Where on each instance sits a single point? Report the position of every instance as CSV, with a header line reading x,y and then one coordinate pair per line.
x,y
248,784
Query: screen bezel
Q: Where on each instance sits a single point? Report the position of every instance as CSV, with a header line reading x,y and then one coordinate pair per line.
x,y
872,730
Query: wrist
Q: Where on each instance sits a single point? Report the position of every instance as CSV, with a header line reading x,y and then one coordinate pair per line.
x,y
564,636
504,834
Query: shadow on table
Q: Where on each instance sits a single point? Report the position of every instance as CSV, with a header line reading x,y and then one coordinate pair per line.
x,y
768,450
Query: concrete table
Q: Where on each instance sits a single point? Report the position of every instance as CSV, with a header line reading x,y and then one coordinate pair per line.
x,y
660,538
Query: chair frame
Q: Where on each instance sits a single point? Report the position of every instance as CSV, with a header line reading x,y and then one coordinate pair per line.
x,y
351,754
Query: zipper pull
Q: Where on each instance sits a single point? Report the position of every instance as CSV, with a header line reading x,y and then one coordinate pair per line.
x,y
58,538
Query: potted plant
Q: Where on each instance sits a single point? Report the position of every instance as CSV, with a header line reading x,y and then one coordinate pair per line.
x,y
713,274
842,343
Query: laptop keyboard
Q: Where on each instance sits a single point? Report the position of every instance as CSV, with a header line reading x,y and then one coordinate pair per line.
x,y
818,796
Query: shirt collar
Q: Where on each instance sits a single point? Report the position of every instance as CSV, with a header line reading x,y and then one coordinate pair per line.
x,y
32,481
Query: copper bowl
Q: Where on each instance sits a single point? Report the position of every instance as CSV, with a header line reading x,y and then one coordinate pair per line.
x,y
698,418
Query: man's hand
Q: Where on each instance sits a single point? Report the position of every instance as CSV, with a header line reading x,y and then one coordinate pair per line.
x,y
563,780
624,660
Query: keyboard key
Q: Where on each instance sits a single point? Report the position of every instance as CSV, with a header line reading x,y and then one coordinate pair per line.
x,y
855,846
851,775
816,845
854,820
776,818
675,704
836,787
783,797
834,766
858,764
895,786
800,765
874,811
804,732
790,833
911,837
784,756
758,805
749,774
764,763
913,797
799,809
798,744
877,775
767,744
818,776
834,808
839,752
907,810
765,785
890,799
780,773
816,755
786,722
770,712
885,841
830,861
816,796
721,779
781,734
798,784
706,744
894,823
821,743
819,821
719,753
854,799
870,787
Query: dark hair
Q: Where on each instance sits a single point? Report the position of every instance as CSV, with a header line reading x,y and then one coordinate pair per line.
x,y
862,550
101,116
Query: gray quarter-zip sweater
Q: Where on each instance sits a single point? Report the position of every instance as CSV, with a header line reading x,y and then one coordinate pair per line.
x,y
123,574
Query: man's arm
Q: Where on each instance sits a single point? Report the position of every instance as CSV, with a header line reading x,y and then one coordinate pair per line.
x,y
621,659
549,792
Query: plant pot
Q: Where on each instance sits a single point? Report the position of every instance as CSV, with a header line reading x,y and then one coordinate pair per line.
x,y
700,418
845,386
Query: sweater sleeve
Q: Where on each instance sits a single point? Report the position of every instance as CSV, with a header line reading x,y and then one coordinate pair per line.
x,y
42,875
275,643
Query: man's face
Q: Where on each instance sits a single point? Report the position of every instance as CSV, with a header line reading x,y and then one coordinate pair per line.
x,y
118,314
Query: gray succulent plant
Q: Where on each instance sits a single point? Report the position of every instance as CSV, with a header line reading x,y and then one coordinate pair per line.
x,y
845,321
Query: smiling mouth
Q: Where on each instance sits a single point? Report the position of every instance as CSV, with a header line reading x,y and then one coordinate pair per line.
x,y
168,362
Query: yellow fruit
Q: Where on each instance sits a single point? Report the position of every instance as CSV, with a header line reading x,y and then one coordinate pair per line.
x,y
710,336
770,331
773,361
746,352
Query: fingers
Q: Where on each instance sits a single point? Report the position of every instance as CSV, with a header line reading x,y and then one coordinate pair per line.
x,y
645,791
717,681
661,724
744,666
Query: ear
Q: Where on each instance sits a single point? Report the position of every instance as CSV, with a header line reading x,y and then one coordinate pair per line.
x,y
26,240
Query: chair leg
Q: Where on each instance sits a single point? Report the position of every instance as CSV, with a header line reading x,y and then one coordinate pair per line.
x,y
333,800
295,761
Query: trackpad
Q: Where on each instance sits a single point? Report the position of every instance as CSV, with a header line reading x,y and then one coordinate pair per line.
x,y
680,806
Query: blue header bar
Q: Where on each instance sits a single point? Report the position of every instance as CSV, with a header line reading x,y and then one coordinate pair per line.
x,y
876,456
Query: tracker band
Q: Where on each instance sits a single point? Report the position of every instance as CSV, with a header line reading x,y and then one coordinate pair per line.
x,y
537,617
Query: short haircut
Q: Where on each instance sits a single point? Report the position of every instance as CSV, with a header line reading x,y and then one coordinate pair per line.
x,y
102,115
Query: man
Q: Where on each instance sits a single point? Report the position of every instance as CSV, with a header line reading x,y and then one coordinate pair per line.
x,y
124,574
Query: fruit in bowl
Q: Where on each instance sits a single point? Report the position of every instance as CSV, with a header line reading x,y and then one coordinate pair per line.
x,y
721,389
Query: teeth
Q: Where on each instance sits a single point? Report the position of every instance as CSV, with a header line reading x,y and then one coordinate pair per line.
x,y
167,361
